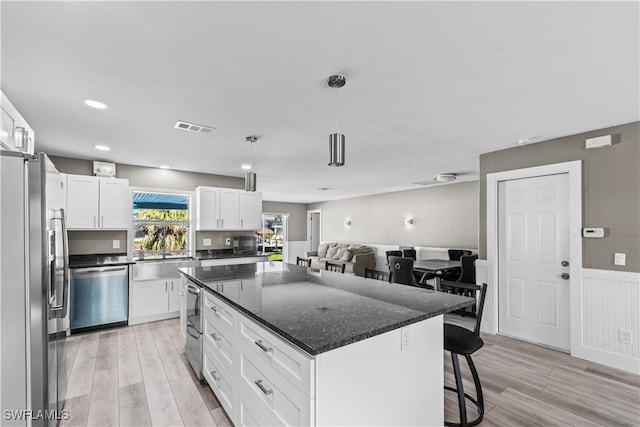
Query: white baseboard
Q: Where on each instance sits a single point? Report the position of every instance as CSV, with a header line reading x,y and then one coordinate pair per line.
x,y
154,318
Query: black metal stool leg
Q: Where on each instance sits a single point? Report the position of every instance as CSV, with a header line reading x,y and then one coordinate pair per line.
x,y
462,406
476,381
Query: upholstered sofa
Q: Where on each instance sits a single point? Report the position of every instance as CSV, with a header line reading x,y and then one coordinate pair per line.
x,y
354,257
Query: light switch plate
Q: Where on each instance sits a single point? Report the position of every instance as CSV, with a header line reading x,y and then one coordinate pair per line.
x,y
227,241
620,259
206,242
116,244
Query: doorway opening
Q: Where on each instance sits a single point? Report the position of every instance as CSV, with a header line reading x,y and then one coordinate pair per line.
x,y
314,229
272,237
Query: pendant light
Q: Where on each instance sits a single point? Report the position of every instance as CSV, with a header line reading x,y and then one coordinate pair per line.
x,y
250,178
336,140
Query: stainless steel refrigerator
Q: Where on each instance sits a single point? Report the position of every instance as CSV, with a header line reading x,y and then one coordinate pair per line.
x,y
34,290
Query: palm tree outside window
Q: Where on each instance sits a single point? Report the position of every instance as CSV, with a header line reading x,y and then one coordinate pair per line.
x,y
161,225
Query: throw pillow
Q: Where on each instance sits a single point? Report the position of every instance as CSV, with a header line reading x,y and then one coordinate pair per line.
x,y
322,250
331,252
347,255
340,252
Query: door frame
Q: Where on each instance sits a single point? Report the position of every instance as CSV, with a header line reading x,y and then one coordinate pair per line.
x,y
574,170
309,212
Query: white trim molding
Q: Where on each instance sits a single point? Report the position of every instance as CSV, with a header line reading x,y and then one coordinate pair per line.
x,y
609,303
574,170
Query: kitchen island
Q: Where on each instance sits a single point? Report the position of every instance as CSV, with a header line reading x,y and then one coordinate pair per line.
x,y
284,344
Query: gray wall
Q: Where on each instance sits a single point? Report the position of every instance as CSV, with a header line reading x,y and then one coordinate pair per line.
x,y
610,184
444,216
297,225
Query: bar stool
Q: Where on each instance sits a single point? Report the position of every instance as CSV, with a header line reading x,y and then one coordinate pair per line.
x,y
462,337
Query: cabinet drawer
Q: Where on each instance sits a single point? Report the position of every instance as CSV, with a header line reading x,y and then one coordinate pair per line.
x,y
222,342
220,314
290,363
274,396
221,382
248,414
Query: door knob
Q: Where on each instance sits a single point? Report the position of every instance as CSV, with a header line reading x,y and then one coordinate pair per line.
x,y
565,263
565,276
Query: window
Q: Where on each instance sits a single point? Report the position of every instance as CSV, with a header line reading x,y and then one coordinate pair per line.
x,y
161,225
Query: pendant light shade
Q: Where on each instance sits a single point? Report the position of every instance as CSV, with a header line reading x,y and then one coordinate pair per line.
x,y
336,140
336,149
250,180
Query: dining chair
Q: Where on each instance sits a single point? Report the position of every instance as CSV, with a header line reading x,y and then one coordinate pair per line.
x,y
468,269
401,271
462,337
455,255
338,267
303,262
409,253
370,273
392,253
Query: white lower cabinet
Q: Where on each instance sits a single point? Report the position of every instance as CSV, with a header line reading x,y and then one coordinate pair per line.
x,y
151,300
221,381
248,414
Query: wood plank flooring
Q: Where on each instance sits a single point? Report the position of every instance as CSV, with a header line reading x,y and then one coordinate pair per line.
x,y
139,376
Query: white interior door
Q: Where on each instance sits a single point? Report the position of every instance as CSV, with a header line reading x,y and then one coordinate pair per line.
x,y
533,245
313,230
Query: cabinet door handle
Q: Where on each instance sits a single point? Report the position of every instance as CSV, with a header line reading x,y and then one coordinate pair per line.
x,y
166,286
215,337
215,376
263,388
172,286
102,220
263,347
241,223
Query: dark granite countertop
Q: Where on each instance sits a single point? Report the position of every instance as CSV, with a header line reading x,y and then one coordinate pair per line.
x,y
86,261
222,254
321,311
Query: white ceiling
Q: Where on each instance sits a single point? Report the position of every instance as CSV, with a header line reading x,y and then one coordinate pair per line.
x,y
430,85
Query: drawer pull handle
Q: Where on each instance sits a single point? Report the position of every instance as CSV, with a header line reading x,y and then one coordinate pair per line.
x,y
263,347
263,388
215,376
215,336
214,309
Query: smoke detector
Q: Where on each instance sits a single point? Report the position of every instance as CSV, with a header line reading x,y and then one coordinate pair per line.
x,y
192,127
445,177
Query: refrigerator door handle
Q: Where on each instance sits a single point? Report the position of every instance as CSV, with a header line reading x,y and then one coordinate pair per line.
x,y
61,310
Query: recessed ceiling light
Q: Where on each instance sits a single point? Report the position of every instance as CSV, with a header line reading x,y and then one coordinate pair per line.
x,y
246,167
102,147
95,104
324,188
164,167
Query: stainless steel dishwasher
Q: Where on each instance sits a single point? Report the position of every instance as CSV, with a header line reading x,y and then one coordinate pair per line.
x,y
99,297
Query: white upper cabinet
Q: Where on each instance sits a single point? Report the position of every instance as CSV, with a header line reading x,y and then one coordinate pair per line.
x,y
227,209
207,208
15,133
250,210
97,203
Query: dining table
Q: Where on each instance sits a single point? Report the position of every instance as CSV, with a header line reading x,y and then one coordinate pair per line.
x,y
435,266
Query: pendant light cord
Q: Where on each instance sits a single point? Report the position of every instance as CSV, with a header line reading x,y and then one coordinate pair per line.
x,y
336,110
251,155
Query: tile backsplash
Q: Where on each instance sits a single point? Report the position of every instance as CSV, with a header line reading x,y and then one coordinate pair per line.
x,y
218,238
97,242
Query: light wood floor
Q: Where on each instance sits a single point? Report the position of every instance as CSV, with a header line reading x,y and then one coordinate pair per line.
x,y
139,376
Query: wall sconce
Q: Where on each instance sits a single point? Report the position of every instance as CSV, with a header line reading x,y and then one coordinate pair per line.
x,y
408,221
347,223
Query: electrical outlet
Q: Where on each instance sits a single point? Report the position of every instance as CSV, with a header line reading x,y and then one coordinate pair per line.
x,y
404,333
116,244
206,242
625,337
620,259
227,241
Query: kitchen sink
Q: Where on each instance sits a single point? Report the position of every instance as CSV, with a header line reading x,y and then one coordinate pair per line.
x,y
161,268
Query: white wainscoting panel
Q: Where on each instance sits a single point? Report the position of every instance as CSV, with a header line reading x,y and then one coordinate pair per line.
x,y
488,323
295,249
610,302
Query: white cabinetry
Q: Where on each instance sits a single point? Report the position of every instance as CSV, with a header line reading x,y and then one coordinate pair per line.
x,y
250,210
15,133
260,379
227,209
154,300
97,203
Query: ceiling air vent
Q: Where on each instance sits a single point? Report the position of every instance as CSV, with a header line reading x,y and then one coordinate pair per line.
x,y
192,127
